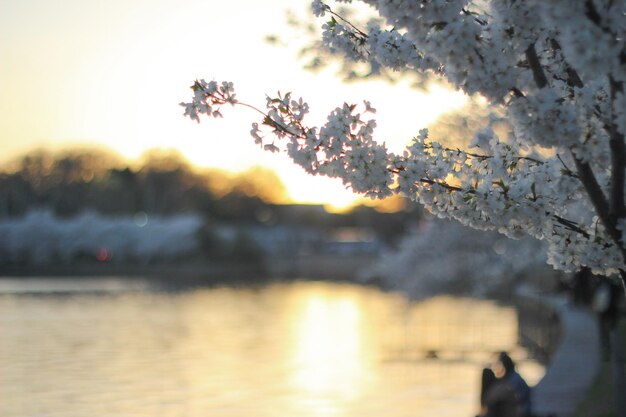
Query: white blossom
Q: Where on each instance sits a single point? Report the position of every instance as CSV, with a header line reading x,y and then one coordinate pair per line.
x,y
554,71
319,8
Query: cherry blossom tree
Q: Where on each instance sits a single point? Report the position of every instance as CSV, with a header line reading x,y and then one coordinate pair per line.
x,y
554,71
484,262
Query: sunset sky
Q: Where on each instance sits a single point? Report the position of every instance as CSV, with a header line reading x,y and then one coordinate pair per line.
x,y
111,73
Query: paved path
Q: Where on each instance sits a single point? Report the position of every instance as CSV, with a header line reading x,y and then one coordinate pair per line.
x,y
574,365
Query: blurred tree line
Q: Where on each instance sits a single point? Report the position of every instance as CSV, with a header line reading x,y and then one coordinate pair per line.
x,y
163,183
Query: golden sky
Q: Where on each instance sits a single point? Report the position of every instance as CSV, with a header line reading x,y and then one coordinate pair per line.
x,y
112,72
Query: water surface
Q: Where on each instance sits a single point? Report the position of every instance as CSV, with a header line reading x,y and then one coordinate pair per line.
x,y
297,349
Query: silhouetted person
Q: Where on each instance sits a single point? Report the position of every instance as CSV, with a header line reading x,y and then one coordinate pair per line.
x,y
516,382
497,397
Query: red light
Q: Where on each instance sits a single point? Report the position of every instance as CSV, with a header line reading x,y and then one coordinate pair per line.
x,y
104,255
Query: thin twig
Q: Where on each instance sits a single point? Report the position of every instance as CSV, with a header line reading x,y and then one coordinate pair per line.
x,y
570,225
359,31
569,171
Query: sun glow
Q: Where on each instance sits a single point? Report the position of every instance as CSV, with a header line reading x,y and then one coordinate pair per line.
x,y
330,366
113,73
327,334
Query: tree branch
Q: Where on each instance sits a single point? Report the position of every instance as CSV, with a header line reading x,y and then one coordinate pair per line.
x,y
573,79
533,60
618,160
592,14
356,29
570,225
588,178
442,184
598,199
614,208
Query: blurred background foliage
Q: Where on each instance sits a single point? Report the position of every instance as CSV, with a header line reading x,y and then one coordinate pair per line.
x,y
163,184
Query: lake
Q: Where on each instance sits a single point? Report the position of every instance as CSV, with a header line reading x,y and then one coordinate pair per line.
x,y
297,349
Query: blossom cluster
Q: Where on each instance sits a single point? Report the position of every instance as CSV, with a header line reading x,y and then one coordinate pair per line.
x,y
555,70
208,99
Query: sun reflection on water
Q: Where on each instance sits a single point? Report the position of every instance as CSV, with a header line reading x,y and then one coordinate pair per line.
x,y
328,356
